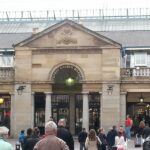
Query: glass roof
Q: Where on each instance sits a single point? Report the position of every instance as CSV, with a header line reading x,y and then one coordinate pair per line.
x,y
96,20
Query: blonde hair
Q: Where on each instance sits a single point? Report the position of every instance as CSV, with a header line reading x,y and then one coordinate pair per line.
x,y
92,135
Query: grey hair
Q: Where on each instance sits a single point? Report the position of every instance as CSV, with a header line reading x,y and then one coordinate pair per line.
x,y
62,122
50,126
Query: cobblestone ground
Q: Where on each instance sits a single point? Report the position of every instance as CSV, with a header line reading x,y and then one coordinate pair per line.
x,y
130,144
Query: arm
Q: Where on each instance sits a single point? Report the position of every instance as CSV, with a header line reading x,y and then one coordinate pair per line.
x,y
86,143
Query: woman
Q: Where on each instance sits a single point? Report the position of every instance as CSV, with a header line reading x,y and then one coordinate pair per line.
x,y
120,142
92,141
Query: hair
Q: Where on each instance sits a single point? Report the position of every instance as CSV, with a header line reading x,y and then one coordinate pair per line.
x,y
100,130
120,133
92,135
50,127
62,122
36,131
29,131
142,124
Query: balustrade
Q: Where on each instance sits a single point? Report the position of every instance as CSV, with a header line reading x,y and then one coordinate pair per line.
x,y
6,73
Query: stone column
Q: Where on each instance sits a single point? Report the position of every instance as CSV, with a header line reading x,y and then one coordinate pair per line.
x,y
110,110
48,107
72,114
122,108
13,116
85,115
32,110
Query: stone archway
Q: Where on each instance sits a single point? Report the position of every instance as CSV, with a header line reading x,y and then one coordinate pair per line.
x,y
66,99
67,66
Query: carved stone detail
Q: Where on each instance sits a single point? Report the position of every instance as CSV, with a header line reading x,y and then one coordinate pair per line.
x,y
66,37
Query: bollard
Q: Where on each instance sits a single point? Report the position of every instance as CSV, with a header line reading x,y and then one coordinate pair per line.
x,y
17,146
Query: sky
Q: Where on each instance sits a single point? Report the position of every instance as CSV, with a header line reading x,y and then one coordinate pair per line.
x,y
31,5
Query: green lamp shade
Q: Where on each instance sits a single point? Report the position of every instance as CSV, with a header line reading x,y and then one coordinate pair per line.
x,y
70,81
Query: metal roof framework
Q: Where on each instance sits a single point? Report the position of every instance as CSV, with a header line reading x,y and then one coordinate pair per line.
x,y
75,14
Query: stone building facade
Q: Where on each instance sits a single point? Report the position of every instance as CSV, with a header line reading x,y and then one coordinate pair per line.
x,y
69,71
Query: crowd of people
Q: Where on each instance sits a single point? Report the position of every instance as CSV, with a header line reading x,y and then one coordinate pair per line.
x,y
57,137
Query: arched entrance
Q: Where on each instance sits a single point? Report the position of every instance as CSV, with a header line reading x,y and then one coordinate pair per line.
x,y
67,97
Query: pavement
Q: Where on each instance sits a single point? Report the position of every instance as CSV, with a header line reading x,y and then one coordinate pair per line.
x,y
129,147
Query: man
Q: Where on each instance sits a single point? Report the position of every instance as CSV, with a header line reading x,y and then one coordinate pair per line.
x,y
64,134
111,138
50,141
146,131
128,125
32,140
81,138
3,135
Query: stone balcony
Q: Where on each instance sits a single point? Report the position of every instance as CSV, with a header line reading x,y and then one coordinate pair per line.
x,y
135,74
7,74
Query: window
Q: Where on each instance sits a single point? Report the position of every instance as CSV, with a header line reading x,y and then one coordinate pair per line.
x,y
6,61
140,59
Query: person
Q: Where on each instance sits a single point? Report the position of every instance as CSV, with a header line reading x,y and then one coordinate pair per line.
x,y
64,134
119,141
3,135
21,138
28,134
81,138
128,125
121,129
92,141
111,137
50,141
146,131
32,140
102,137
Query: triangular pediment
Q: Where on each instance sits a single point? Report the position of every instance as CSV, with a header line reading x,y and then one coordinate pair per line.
x,y
67,33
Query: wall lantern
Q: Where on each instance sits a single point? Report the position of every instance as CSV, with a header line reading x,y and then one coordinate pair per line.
x,y
20,89
1,100
109,89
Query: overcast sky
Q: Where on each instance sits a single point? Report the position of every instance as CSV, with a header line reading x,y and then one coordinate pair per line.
x,y
19,5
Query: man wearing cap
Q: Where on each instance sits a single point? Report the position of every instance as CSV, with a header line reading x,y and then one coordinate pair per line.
x,y
3,135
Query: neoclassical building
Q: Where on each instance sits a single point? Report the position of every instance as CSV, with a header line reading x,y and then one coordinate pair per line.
x,y
69,71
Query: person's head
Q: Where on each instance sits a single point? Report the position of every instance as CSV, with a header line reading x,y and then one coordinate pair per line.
x,y
50,128
120,133
4,131
50,118
22,131
101,130
62,123
36,131
29,131
114,127
142,124
83,129
121,129
128,116
92,135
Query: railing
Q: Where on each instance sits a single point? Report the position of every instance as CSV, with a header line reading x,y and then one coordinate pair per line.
x,y
7,73
134,72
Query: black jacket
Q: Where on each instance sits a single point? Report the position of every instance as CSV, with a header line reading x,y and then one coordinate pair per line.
x,y
30,142
82,136
65,135
111,137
